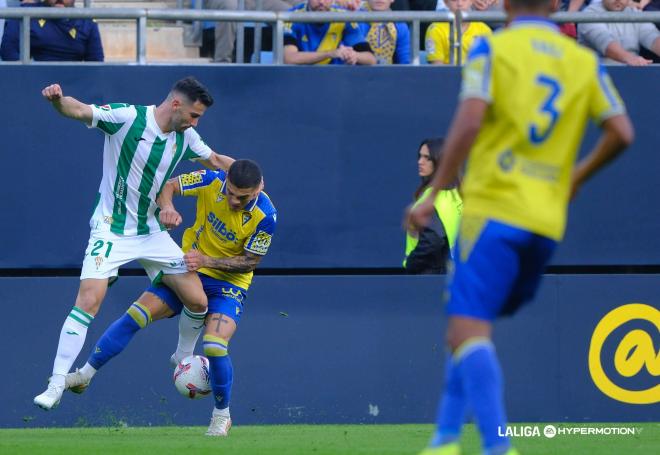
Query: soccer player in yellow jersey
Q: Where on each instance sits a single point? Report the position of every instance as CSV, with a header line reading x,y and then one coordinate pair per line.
x,y
233,230
526,96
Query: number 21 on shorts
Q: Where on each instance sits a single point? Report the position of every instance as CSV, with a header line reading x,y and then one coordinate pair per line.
x,y
98,248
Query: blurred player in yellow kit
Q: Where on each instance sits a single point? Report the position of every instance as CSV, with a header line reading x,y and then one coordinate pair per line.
x,y
526,96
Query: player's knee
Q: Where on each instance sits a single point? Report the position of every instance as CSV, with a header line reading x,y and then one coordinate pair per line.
x,y
215,346
454,339
88,301
457,336
140,314
197,302
197,307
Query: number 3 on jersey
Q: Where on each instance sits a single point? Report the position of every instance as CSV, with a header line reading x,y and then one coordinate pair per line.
x,y
536,136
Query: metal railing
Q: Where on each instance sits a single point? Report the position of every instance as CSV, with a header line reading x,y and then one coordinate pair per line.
x,y
278,20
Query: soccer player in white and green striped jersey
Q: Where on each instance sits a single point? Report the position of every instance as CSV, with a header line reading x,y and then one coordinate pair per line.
x,y
143,145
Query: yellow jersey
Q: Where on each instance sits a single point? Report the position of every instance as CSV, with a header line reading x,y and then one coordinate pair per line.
x,y
541,88
220,232
437,41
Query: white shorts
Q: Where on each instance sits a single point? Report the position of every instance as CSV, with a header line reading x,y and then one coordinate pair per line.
x,y
107,251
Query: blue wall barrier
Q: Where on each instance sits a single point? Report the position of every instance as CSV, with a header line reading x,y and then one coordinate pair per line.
x,y
338,147
339,350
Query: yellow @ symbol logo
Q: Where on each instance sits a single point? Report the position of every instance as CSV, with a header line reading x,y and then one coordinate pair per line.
x,y
635,351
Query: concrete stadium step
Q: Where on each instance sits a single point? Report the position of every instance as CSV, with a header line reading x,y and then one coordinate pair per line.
x,y
164,39
163,43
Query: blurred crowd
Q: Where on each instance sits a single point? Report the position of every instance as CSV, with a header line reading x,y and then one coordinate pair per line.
x,y
349,43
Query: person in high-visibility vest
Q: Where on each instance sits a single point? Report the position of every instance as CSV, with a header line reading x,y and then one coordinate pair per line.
x,y
428,252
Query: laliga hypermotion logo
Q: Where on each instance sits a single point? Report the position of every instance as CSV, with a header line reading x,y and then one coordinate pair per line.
x,y
634,352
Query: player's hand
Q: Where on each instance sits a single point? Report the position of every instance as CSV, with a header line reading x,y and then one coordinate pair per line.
x,y
419,216
170,217
194,260
576,182
52,92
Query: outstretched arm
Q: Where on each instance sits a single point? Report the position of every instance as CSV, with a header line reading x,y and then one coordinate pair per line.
x,y
618,133
67,105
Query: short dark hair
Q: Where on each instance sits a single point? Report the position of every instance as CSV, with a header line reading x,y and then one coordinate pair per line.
x,y
245,174
193,90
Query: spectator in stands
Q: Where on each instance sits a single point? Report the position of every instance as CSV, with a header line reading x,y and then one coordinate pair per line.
x,y
428,252
567,28
325,43
225,32
3,4
653,5
54,39
619,42
389,41
437,35
487,5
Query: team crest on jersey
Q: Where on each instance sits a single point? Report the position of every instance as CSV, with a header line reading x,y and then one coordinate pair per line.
x,y
506,160
246,217
220,198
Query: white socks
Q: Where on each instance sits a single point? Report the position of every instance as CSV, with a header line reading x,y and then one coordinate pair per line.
x,y
221,412
72,338
190,326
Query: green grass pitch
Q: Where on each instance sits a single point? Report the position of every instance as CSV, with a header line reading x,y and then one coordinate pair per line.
x,y
306,439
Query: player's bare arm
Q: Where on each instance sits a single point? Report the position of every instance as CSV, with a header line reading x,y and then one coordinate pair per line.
x,y
462,133
217,161
238,264
168,214
67,105
618,133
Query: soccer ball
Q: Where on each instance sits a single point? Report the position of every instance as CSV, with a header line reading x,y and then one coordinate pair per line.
x,y
191,377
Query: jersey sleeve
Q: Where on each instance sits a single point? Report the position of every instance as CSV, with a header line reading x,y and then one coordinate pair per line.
x,y
605,100
402,53
437,43
196,149
109,118
190,184
291,34
9,49
477,72
260,240
94,47
352,35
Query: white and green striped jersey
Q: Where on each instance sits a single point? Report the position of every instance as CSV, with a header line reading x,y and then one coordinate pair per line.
x,y
138,158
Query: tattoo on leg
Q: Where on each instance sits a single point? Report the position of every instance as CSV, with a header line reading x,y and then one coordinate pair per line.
x,y
217,325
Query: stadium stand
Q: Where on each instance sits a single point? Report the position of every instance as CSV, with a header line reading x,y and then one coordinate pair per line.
x,y
164,39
